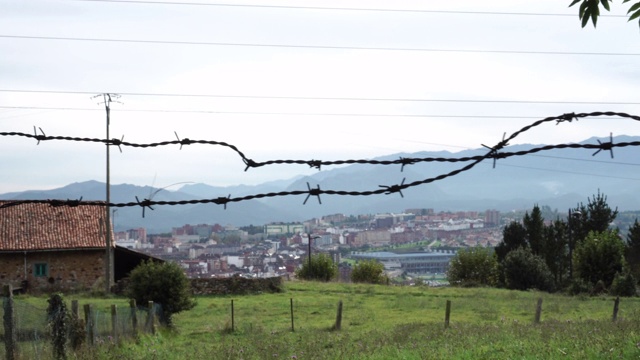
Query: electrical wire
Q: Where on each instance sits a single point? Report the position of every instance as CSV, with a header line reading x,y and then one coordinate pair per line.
x,y
458,12
575,102
316,47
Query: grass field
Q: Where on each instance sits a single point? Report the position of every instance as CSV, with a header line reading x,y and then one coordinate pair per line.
x,y
388,322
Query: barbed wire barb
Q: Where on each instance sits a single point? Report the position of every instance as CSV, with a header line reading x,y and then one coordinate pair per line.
x,y
394,188
606,146
146,203
39,137
313,192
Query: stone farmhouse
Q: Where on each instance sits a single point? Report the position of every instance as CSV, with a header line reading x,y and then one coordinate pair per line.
x,y
47,248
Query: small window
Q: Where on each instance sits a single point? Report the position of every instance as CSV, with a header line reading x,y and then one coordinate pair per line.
x,y
40,269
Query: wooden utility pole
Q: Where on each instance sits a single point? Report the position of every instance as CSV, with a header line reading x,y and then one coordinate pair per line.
x,y
109,263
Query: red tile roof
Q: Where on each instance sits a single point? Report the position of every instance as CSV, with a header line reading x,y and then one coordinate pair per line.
x,y
32,227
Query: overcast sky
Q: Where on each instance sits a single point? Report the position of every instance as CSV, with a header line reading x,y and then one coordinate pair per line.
x,y
479,69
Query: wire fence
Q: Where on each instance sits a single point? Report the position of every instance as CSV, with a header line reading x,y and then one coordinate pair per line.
x,y
377,310
27,333
493,153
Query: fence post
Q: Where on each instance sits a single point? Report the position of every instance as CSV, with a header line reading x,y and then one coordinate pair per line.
x,y
233,320
538,311
338,323
151,318
292,328
134,317
114,322
90,326
447,314
75,311
616,306
10,333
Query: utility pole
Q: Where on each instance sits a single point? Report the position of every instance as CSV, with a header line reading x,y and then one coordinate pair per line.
x,y
109,263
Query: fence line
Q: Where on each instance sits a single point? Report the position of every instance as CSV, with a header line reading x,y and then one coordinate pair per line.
x,y
31,332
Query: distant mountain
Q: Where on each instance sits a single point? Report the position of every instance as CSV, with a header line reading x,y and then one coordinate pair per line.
x,y
558,178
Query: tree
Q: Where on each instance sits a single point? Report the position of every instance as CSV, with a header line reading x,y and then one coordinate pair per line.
x,y
473,267
555,249
523,270
600,257
514,236
163,283
596,216
321,267
368,271
534,226
632,249
590,9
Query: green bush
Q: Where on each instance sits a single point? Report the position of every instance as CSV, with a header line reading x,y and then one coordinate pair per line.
x,y
163,283
524,271
473,267
624,285
368,271
599,257
579,287
57,321
321,268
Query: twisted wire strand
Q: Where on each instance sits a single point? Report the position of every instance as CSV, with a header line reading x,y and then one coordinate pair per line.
x,y
493,153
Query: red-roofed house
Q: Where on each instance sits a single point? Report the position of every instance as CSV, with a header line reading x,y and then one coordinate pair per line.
x,y
47,248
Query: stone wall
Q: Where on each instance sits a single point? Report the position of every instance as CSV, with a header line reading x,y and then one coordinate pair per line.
x,y
65,270
236,285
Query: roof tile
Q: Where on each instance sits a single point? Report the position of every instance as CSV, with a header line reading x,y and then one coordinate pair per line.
x,y
30,227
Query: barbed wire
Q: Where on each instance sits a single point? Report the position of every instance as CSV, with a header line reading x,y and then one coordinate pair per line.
x,y
493,152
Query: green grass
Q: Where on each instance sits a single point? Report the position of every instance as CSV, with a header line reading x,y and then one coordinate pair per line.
x,y
387,322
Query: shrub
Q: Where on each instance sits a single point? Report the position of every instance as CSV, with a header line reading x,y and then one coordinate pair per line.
x,y
473,267
624,285
163,283
369,271
57,321
321,268
524,271
578,287
599,257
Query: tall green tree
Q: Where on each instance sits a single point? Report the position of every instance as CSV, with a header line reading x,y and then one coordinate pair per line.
x,y
596,216
632,249
600,257
590,10
514,236
555,252
534,226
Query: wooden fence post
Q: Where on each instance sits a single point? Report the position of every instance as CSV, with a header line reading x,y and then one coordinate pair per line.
x,y
151,318
447,314
338,323
233,320
90,323
75,311
134,317
538,311
616,306
292,328
114,323
10,333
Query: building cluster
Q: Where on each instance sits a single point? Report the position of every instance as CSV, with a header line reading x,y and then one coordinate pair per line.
x,y
222,251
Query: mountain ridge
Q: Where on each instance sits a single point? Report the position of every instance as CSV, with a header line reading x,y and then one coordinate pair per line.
x,y
558,178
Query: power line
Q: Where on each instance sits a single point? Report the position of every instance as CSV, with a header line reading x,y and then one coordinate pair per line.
x,y
276,113
317,47
570,172
326,98
460,12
